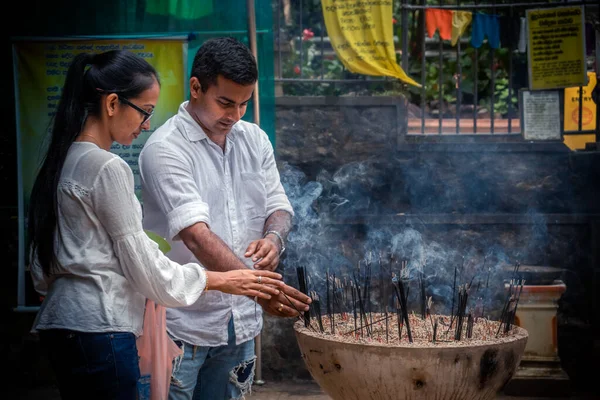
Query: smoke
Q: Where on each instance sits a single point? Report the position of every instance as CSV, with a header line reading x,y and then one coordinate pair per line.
x,y
305,241
334,233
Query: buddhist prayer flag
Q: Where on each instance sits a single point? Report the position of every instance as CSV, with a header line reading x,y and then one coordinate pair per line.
x,y
450,24
361,33
460,22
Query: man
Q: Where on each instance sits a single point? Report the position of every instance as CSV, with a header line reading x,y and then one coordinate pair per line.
x,y
210,184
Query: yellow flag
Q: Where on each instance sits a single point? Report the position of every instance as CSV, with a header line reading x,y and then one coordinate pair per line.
x,y
362,36
460,22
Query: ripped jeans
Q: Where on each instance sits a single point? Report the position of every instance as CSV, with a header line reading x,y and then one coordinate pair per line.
x,y
213,373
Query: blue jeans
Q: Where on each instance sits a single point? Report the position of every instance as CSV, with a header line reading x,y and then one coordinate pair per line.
x,y
213,373
93,365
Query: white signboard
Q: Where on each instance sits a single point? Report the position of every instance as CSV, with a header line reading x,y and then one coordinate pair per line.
x,y
541,115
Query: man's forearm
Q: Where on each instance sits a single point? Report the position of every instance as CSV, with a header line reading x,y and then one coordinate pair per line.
x,y
210,249
280,222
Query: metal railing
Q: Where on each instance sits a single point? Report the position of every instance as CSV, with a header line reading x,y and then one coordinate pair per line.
x,y
451,101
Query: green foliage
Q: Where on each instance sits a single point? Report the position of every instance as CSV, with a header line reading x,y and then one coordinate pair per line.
x,y
479,68
163,245
305,62
501,98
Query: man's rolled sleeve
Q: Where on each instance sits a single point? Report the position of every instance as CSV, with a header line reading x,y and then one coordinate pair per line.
x,y
185,216
167,177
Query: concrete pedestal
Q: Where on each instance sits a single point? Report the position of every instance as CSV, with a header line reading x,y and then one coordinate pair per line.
x,y
539,373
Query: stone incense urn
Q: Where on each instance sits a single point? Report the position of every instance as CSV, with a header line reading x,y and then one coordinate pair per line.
x,y
348,370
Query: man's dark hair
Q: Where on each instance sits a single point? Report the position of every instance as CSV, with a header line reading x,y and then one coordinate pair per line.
x,y
224,56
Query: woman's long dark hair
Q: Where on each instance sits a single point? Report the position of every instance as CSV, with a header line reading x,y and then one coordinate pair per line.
x,y
88,78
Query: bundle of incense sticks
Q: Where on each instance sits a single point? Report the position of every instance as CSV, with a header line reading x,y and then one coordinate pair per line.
x,y
354,296
507,318
401,295
301,272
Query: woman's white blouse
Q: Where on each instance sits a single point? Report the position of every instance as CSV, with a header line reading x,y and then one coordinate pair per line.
x,y
108,265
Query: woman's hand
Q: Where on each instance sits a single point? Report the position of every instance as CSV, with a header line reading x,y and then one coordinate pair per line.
x,y
246,282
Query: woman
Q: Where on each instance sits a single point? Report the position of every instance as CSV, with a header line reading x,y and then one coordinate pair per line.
x,y
89,254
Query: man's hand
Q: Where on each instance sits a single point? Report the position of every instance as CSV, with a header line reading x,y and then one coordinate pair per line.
x,y
288,303
264,253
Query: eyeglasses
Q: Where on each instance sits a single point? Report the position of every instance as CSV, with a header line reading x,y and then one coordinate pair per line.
x,y
147,115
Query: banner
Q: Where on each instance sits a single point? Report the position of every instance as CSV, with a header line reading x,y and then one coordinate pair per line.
x,y
40,70
361,34
556,48
588,107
